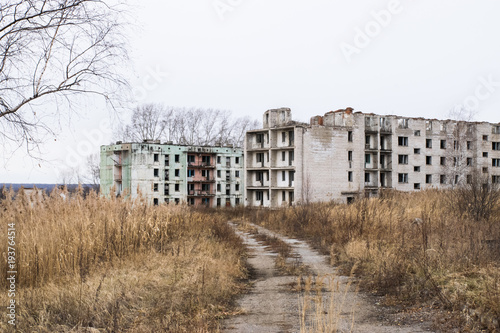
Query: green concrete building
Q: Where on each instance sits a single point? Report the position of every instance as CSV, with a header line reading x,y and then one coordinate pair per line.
x,y
167,173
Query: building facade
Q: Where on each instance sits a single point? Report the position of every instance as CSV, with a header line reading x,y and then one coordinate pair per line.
x,y
345,154
164,173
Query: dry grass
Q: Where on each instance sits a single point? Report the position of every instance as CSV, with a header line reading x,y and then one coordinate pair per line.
x,y
323,305
414,246
118,265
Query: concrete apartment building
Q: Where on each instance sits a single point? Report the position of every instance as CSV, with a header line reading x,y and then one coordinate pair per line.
x,y
344,154
164,173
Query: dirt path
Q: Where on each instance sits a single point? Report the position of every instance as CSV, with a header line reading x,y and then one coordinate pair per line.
x,y
272,305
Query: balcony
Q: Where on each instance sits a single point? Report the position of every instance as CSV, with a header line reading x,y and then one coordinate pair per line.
x,y
200,193
202,180
386,129
386,166
258,183
201,165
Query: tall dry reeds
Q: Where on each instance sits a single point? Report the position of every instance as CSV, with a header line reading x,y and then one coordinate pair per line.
x,y
118,265
414,246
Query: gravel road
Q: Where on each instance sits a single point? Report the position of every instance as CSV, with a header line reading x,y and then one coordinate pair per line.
x,y
274,303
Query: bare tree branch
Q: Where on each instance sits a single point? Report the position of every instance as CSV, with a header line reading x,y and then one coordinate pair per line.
x,y
51,48
188,126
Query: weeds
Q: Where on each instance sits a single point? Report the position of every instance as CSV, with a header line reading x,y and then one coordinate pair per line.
x,y
118,265
413,246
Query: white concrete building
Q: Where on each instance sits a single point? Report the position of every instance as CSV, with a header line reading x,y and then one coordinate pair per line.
x,y
344,154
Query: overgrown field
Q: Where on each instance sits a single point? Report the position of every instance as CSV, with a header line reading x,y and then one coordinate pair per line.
x,y
117,265
418,248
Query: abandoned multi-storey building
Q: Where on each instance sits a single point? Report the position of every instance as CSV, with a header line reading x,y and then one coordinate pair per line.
x,y
163,173
344,154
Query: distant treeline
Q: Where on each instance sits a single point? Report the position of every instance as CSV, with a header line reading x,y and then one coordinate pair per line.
x,y
47,187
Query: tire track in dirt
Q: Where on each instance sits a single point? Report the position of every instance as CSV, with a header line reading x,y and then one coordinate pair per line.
x,y
272,306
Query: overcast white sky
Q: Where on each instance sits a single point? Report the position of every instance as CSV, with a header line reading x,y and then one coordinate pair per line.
x,y
410,58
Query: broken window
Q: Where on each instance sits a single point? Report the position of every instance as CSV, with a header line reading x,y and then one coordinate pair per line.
x,y
219,174
156,157
167,160
237,160
218,187
443,160
428,125
349,155
416,151
485,138
177,188
191,159
495,145
156,172
155,187
485,154
349,176
367,177
283,137
403,123
428,160
402,177
237,187
260,157
283,156
416,133
442,179
469,145
349,136
428,179
416,169
428,143
469,161
442,144
416,186
155,201
403,159
177,158
177,173
403,141
368,158
205,187
495,162
237,174
259,138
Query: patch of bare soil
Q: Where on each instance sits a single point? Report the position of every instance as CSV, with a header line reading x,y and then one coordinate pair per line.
x,y
278,303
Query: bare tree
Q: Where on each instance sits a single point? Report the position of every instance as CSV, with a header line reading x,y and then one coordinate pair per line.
x,y
93,169
478,198
189,126
51,50
148,123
